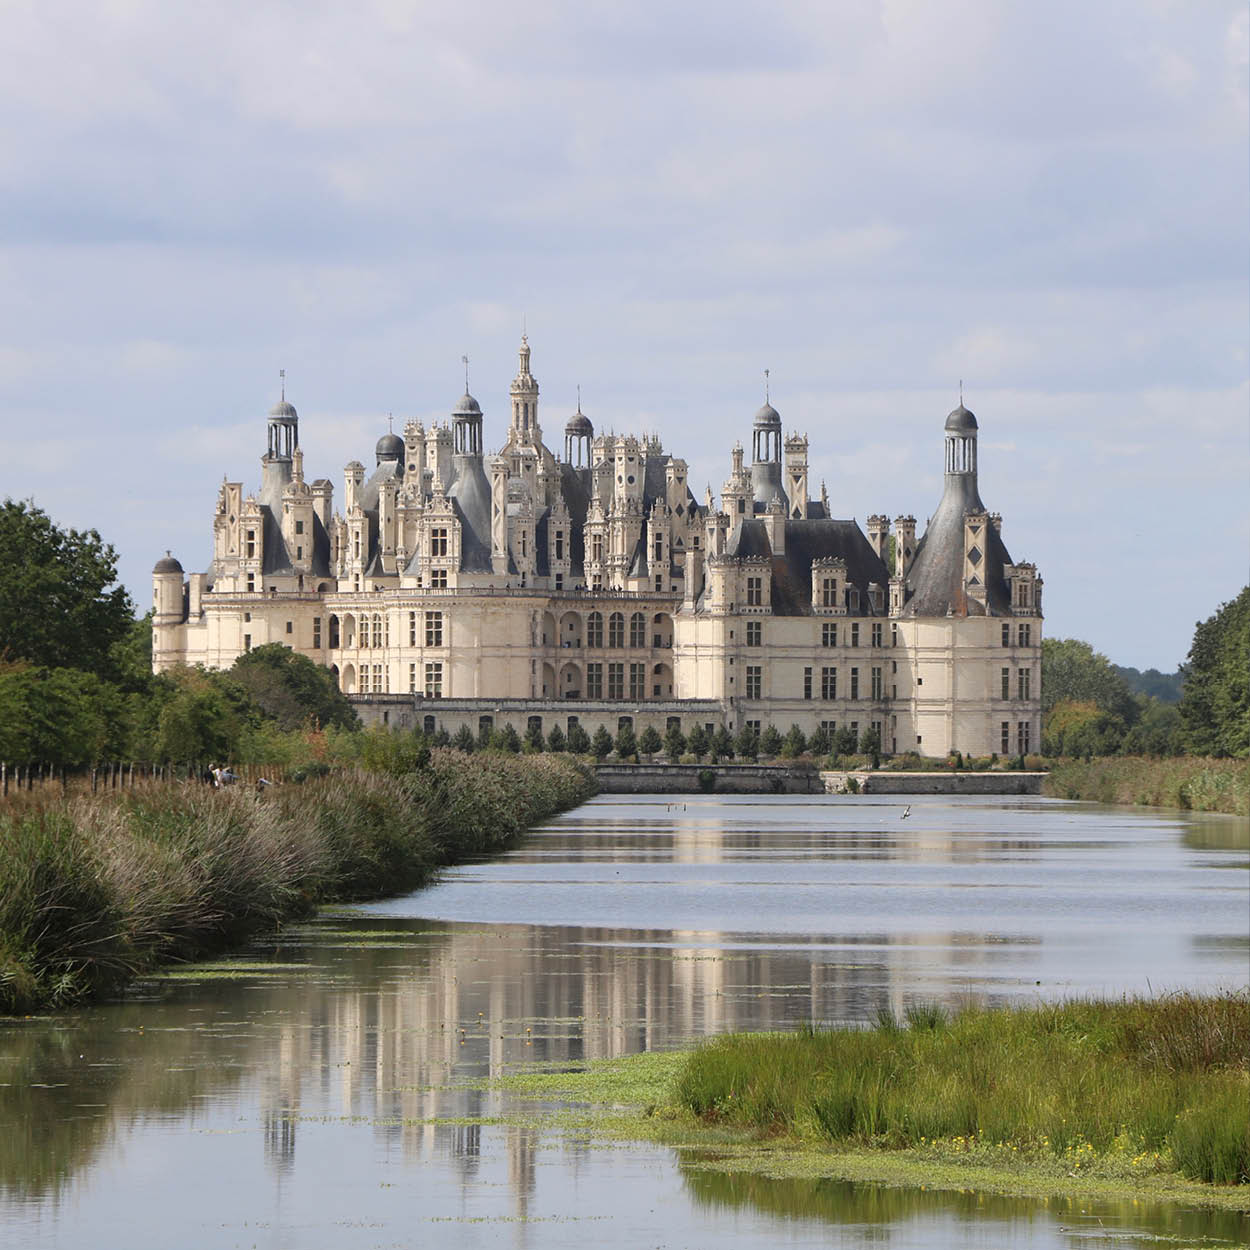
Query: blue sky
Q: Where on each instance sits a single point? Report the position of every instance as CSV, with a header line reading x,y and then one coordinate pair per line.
x,y
870,199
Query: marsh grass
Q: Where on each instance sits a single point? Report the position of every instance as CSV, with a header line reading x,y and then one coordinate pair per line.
x,y
95,890
1188,782
1137,1086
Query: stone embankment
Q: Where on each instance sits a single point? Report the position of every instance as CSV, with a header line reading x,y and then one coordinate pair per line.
x,y
957,781
706,778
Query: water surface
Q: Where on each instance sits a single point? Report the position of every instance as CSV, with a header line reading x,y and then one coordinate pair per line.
x,y
321,1094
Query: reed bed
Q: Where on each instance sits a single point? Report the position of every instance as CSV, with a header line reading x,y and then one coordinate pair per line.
x,y
95,890
1185,781
1159,1084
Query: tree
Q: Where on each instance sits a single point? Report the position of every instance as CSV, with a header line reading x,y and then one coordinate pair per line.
x,y
506,739
747,743
770,742
485,735
698,742
291,690
579,740
555,740
464,741
1158,729
870,744
649,741
1079,727
818,744
1215,702
197,716
626,743
845,741
534,738
61,717
60,604
722,744
795,743
674,742
601,743
1072,669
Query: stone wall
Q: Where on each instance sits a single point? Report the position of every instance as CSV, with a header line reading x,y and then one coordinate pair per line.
x,y
686,779
959,781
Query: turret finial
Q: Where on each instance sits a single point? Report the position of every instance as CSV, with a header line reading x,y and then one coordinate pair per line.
x,y
465,361
766,397
282,376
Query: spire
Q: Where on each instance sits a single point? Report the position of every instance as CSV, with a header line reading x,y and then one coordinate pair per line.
x,y
282,377
766,395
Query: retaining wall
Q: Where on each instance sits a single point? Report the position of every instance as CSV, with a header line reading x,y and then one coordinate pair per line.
x,y
959,781
685,779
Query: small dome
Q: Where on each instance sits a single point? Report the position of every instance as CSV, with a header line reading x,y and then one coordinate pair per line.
x,y
961,421
390,447
467,407
578,424
768,418
167,564
284,411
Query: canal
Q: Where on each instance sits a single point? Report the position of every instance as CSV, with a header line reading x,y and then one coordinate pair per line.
x,y
328,1088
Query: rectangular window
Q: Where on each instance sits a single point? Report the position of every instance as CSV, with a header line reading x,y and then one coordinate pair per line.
x,y
438,579
596,547
659,547
290,627
1006,737
316,632
299,527
876,634
755,633
247,642
596,582
434,680
755,592
559,581
807,683
594,681
893,634
828,592
829,726
854,683
828,683
377,679
438,542
1022,738
412,678
251,545
559,544
854,633
251,582
1006,693
755,676
1006,635
1025,635
876,682
299,553
412,629
433,629
1023,682
829,634
637,681
377,630
616,681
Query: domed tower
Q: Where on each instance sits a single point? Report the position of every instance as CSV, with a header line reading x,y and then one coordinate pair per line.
x,y
390,450
167,591
524,392
470,488
766,458
961,442
578,436
283,440
466,423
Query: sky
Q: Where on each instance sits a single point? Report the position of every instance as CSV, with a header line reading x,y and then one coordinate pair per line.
x,y
872,199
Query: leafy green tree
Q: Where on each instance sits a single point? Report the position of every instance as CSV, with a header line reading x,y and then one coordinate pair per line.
x,y
385,750
1166,687
795,743
722,744
1158,729
747,743
464,740
60,717
770,742
870,745
674,742
534,739
291,690
506,739
60,604
818,744
845,741
579,741
601,743
1073,670
441,739
197,716
698,742
1215,703
131,657
555,739
626,743
649,741
1079,727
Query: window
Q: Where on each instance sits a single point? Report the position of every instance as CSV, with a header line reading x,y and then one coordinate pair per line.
x,y
596,581
876,682
828,592
659,581
594,629
893,635
829,634
533,724
433,629
1006,692
755,592
1022,738
1006,737
596,547
316,631
659,547
290,627
484,725
434,680
807,683
247,616
755,680
616,629
412,629
616,681
377,629
637,681
876,634
637,630
1006,639
251,544
559,544
854,633
559,581
829,726
594,681
755,633
299,527
251,582
412,678
299,553
438,542
1023,682
1024,637
377,679
828,683
438,579
247,642
854,683
428,724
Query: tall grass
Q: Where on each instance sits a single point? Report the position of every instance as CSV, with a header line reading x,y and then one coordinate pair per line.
x,y
96,889
1189,782
1078,1080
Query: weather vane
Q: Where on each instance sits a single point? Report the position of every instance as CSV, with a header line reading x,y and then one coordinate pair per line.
x,y
766,399
282,375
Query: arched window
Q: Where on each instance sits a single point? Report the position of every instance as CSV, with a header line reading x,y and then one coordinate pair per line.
x,y
594,629
616,629
637,630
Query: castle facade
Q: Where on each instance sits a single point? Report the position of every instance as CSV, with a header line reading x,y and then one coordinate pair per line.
x,y
454,587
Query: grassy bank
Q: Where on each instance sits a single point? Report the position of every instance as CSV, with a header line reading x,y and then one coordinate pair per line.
x,y
95,890
1119,1089
1189,782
